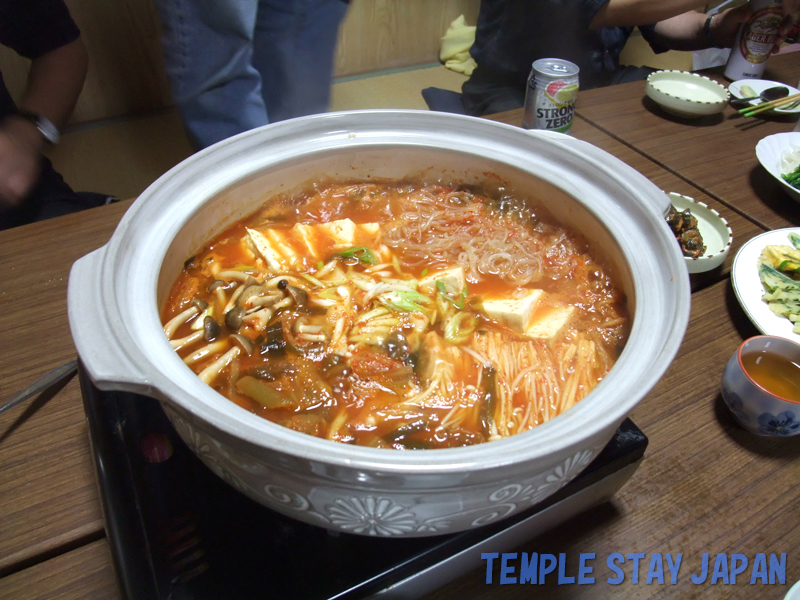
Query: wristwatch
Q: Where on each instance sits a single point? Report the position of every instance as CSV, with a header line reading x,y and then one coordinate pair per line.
x,y
46,127
707,30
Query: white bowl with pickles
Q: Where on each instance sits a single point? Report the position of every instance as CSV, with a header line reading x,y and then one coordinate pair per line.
x,y
779,154
708,251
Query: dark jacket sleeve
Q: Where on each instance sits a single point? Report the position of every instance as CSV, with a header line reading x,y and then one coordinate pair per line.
x,y
35,27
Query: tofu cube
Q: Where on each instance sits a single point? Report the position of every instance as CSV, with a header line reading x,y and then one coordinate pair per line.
x,y
342,232
279,243
265,248
548,322
371,229
305,233
514,313
454,281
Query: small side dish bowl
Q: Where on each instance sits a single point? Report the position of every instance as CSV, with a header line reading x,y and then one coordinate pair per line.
x,y
686,94
769,151
757,384
758,86
717,234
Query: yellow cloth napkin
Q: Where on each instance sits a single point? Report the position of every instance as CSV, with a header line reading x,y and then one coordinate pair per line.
x,y
456,43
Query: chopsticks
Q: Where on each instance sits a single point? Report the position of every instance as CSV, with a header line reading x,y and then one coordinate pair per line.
x,y
65,371
754,110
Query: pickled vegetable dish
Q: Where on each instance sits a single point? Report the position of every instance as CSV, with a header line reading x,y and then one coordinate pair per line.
x,y
399,315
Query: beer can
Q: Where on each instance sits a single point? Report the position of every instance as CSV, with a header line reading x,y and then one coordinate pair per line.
x,y
551,94
754,42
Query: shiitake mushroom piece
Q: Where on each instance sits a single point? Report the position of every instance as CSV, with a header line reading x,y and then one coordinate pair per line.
x,y
211,329
299,295
396,346
275,342
334,365
200,304
250,292
233,318
244,343
220,283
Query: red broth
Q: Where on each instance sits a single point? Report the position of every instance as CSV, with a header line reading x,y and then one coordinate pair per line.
x,y
398,315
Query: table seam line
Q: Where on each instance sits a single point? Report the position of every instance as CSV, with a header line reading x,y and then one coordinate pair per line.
x,y
53,552
744,215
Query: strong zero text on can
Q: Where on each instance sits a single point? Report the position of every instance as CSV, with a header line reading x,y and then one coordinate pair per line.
x,y
551,95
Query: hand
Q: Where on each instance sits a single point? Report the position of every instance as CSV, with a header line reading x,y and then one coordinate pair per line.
x,y
19,160
725,25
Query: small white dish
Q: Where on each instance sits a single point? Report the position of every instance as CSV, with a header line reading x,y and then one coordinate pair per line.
x,y
769,151
758,86
716,233
686,94
748,287
793,593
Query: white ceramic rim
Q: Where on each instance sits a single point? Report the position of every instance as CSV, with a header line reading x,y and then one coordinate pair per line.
x,y
658,75
145,367
748,287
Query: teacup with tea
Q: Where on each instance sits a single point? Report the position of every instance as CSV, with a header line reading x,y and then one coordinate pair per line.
x,y
761,385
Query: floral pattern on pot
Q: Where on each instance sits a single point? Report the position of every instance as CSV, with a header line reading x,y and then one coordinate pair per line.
x,y
346,510
782,424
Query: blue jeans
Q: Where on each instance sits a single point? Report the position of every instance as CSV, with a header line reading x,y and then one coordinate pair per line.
x,y
238,64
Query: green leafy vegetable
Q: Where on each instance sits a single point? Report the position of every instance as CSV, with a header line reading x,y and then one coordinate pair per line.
x,y
362,253
792,178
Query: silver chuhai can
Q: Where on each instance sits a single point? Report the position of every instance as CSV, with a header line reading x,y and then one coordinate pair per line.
x,y
551,95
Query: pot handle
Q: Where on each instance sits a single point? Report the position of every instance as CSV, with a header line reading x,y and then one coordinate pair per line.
x,y
659,201
106,349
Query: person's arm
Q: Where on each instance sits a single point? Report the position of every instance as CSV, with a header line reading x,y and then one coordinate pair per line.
x,y
629,13
55,81
686,31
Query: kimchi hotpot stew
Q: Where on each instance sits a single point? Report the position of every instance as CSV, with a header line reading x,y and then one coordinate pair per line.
x,y
399,314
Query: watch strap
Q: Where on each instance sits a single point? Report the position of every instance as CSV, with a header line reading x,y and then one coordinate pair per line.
x,y
46,127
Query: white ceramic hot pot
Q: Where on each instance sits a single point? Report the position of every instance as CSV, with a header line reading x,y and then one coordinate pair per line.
x,y
115,294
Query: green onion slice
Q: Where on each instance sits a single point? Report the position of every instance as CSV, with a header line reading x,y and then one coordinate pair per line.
x,y
405,301
459,302
362,253
459,327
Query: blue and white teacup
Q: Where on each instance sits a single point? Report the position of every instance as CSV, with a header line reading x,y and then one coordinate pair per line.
x,y
759,404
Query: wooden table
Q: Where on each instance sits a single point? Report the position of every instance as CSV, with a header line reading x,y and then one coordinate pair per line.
x,y
716,153
705,485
